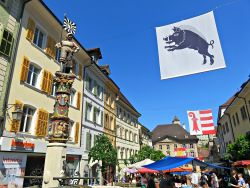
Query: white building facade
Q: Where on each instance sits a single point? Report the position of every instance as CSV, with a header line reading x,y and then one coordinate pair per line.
x,y
92,121
127,132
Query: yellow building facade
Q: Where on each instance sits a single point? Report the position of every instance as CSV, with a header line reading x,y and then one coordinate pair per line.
x,y
110,95
33,90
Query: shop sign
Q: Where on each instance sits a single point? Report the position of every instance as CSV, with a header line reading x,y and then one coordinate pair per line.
x,y
21,145
11,166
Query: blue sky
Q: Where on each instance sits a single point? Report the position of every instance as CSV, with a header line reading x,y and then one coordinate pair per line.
x,y
125,32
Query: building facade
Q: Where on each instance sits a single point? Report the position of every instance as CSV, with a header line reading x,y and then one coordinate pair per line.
x,y
110,97
93,112
10,17
234,117
145,137
33,90
174,140
127,131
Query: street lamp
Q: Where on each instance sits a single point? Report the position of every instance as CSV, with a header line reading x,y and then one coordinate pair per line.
x,y
17,113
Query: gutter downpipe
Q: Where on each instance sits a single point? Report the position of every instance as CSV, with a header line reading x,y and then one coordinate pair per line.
x,y
12,66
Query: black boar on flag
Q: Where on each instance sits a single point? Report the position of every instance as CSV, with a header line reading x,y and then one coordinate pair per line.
x,y
189,46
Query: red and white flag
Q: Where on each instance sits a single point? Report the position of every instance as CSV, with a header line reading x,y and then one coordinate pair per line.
x,y
201,122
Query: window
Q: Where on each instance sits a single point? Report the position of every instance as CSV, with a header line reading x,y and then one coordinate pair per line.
x,y
88,111
26,121
237,118
97,116
99,92
33,75
106,121
6,43
227,128
175,145
184,145
58,54
53,90
191,146
168,152
72,97
224,129
168,146
234,121
39,38
243,113
160,147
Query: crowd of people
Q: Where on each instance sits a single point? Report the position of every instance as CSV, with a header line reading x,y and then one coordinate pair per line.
x,y
193,180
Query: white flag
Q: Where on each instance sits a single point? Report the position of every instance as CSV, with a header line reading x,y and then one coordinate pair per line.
x,y
201,122
189,46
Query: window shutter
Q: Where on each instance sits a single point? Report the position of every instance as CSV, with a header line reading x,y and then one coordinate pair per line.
x,y
77,132
25,69
95,88
80,71
94,115
15,125
50,83
44,86
87,141
87,82
102,118
78,100
42,123
1,32
30,29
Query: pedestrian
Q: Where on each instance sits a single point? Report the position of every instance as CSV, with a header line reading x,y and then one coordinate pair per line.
x,y
214,181
195,179
204,180
151,182
241,181
144,181
233,180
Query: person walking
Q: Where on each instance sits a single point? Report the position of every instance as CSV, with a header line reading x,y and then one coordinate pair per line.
x,y
233,180
214,181
241,181
151,182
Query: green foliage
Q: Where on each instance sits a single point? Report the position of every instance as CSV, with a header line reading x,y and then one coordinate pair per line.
x,y
239,150
147,152
103,151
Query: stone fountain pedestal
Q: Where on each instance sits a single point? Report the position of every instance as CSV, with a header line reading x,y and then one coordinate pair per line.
x,y
58,134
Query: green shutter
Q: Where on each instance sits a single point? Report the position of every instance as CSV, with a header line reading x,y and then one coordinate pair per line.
x,y
87,141
86,110
1,32
102,118
94,116
90,138
95,138
87,82
95,88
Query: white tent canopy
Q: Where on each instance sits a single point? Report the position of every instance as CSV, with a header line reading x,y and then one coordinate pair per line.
x,y
141,163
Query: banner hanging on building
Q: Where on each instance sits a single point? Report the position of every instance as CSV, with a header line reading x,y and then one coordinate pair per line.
x,y
201,122
189,46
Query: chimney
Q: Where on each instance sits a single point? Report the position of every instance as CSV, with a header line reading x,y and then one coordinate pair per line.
x,y
176,120
95,54
105,69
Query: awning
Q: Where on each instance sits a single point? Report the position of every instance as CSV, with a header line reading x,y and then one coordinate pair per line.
x,y
141,163
168,163
146,170
241,163
179,169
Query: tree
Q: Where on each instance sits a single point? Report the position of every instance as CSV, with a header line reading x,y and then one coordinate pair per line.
x,y
147,152
103,151
240,149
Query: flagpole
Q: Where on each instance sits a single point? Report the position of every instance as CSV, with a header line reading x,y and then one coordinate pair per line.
x,y
61,65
